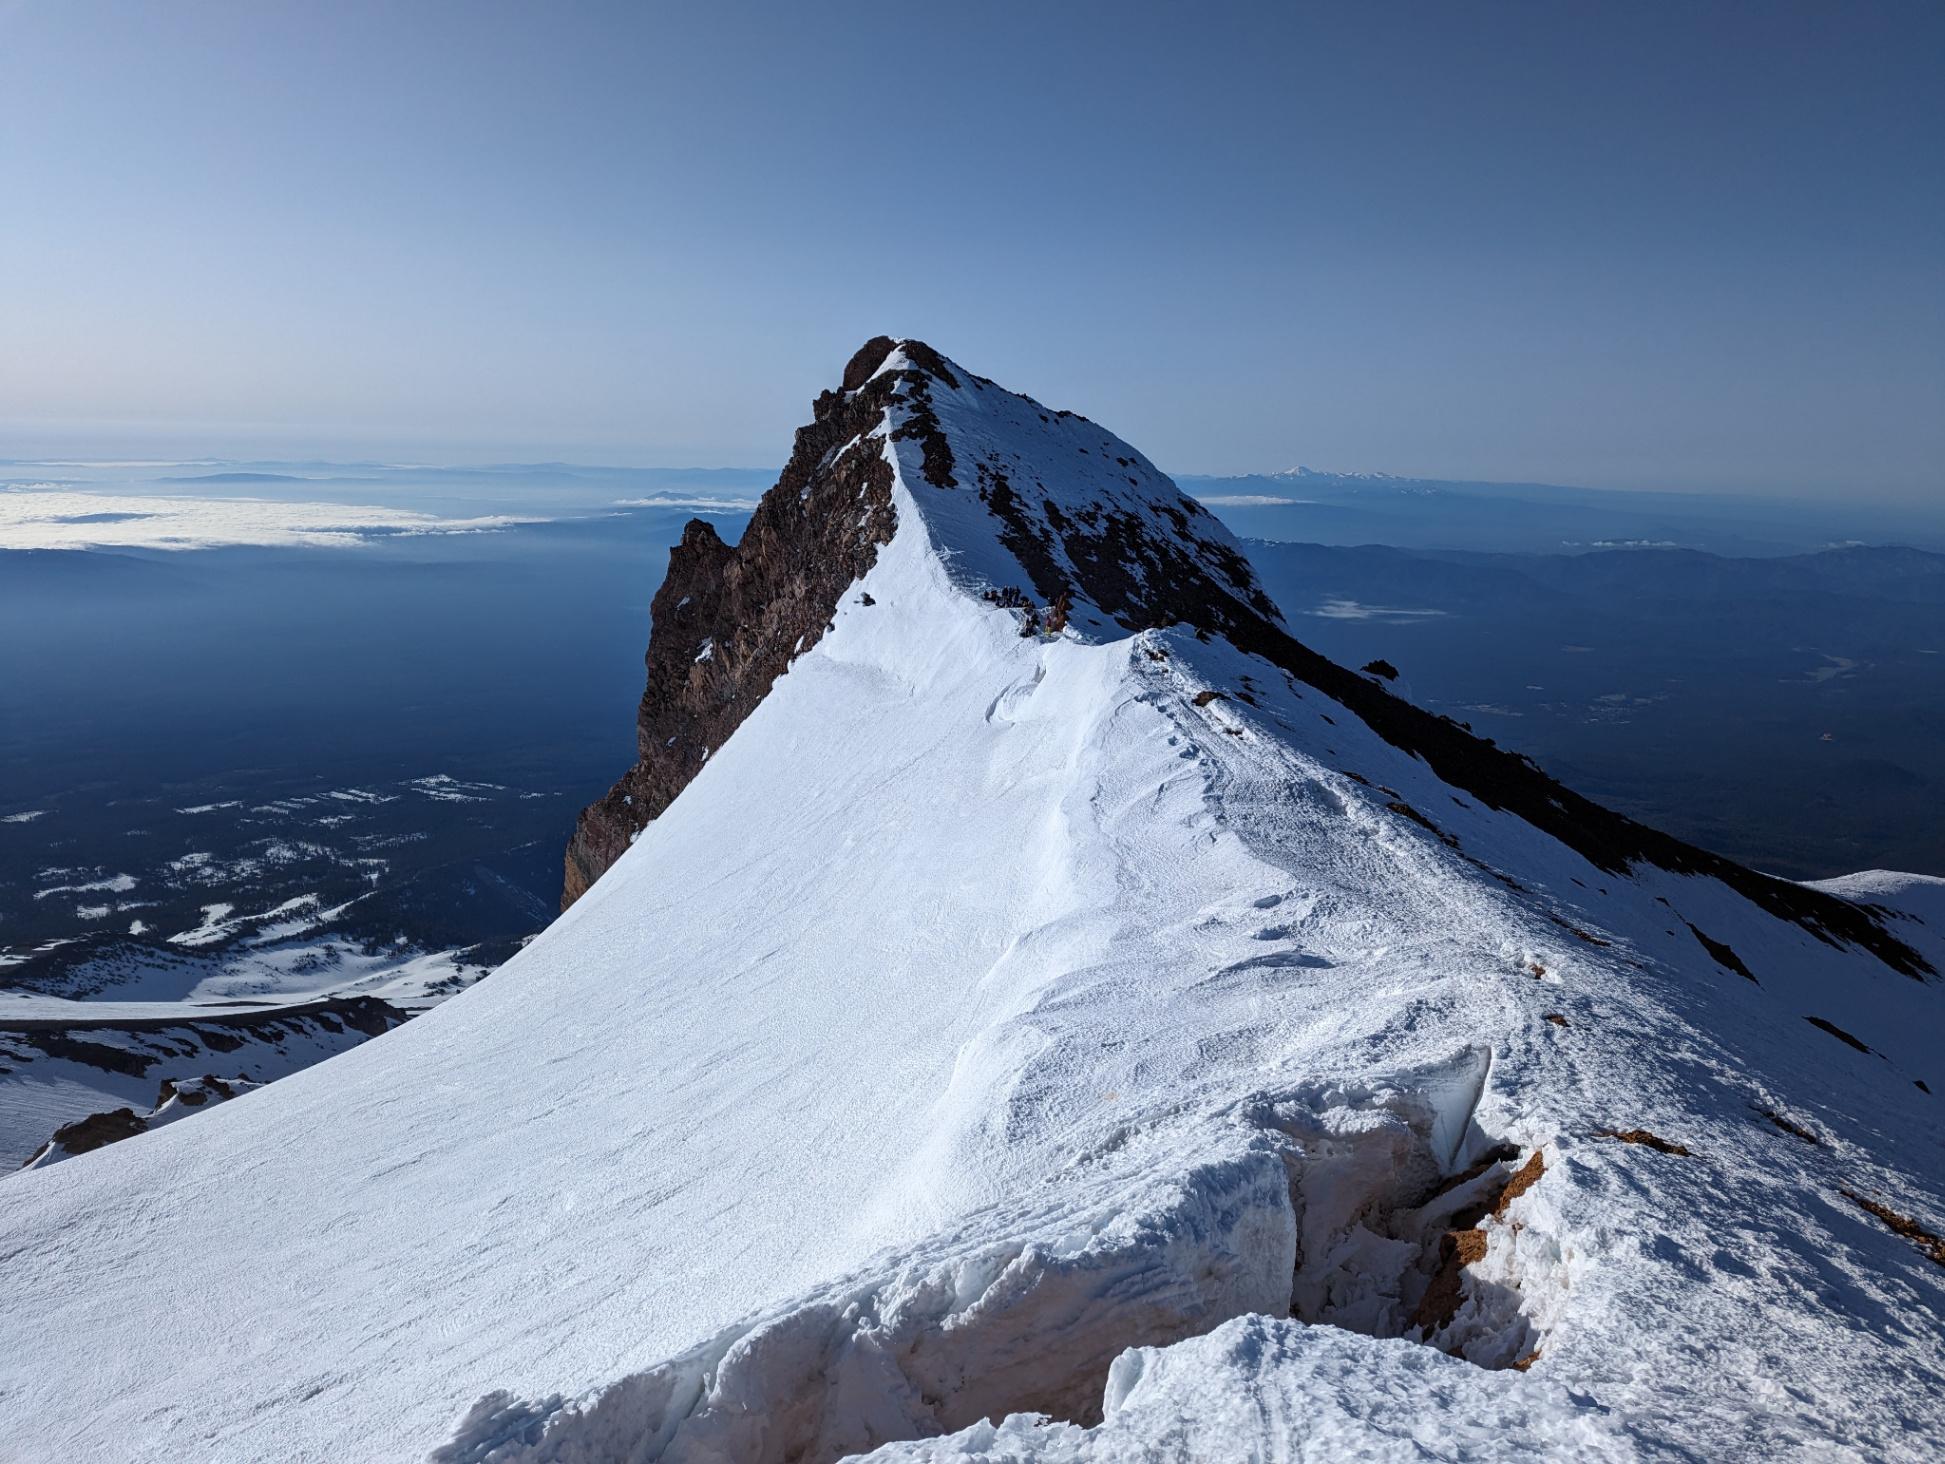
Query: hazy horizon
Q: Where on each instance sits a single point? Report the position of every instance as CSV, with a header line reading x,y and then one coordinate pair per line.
x,y
20,467
165,456
1652,246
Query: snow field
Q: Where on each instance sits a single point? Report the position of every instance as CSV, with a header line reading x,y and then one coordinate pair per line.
x,y
1057,1062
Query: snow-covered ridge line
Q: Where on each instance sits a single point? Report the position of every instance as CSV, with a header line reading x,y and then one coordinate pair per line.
x,y
1043,509
1074,532
1396,1225
1000,992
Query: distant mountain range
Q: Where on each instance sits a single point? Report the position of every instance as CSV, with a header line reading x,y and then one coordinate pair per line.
x,y
1419,513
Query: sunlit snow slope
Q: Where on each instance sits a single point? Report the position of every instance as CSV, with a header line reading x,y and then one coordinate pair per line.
x,y
1099,1043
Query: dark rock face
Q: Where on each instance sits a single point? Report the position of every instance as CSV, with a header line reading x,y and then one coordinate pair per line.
x,y
1140,578
728,622
248,1044
225,1032
870,356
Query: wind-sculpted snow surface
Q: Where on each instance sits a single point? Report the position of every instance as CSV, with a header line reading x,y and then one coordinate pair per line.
x,y
1040,1041
1262,1389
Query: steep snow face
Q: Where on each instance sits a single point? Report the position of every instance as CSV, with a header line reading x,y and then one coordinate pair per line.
x,y
1065,1046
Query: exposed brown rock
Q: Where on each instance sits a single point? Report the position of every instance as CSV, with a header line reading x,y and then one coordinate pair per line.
x,y
1203,698
56,1042
1579,934
1440,1303
1526,1362
1499,1155
191,1097
1931,1244
368,1014
1058,612
100,1129
1722,954
1405,810
870,356
1138,573
1642,1137
921,424
1465,1242
195,1092
1557,1018
1528,1176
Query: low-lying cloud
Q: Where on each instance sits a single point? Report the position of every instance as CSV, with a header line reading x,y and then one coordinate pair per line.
x,y
1357,610
50,518
692,503
1248,500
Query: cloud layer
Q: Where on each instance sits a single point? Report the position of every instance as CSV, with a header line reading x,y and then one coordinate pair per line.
x,y
43,518
695,504
1247,500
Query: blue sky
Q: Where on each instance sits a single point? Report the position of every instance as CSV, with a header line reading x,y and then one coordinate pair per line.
x,y
1643,244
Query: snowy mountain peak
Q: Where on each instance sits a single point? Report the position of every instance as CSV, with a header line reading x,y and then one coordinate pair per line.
x,y
1047,517
1046,504
998,1040
1028,508
1300,471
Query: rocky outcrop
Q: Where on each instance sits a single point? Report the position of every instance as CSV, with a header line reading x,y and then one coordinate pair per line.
x,y
97,1130
727,621
106,1054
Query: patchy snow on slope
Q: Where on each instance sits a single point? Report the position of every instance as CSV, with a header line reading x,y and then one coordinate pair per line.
x,y
113,884
64,1060
1080,1046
